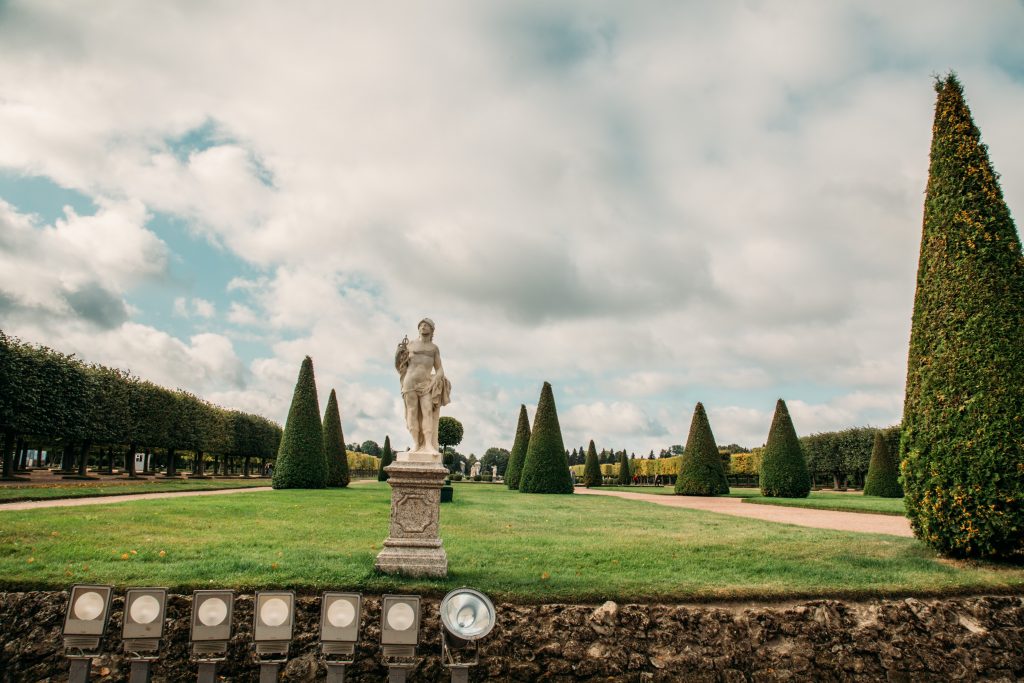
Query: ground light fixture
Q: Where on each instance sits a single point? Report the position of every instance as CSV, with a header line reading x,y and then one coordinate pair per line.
x,y
339,631
273,618
210,630
399,634
84,623
467,615
142,629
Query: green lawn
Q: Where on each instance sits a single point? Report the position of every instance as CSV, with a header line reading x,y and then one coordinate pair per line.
x,y
510,545
12,493
819,500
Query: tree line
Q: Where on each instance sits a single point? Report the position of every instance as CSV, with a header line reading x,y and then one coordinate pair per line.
x,y
56,402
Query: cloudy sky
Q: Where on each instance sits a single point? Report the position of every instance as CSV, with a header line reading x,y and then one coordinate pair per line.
x,y
647,204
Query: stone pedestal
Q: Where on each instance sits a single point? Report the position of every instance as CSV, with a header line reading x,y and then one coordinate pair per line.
x,y
414,547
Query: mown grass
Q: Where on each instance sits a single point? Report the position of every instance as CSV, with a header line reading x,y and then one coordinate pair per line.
x,y
13,493
818,500
528,548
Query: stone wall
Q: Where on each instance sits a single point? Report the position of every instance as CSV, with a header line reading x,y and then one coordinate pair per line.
x,y
970,639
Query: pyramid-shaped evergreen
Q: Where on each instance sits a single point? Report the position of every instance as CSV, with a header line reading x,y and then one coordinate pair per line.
x,y
962,446
591,468
514,470
883,476
387,457
300,459
701,472
783,466
334,445
546,469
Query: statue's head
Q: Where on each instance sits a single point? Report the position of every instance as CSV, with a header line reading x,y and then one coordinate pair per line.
x,y
429,325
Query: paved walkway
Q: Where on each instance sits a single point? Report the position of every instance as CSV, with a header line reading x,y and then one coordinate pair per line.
x,y
106,500
819,519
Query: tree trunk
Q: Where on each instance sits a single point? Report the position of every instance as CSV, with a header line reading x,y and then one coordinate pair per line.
x,y
200,467
171,469
245,467
83,457
65,456
129,461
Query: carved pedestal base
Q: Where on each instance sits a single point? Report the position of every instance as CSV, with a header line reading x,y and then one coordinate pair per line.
x,y
413,547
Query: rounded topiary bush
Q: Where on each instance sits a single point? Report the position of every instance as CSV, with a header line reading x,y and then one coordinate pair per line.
x,y
546,469
514,470
783,467
300,458
883,476
591,468
962,447
701,472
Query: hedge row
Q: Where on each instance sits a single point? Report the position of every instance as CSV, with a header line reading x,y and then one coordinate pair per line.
x,y
845,455
49,397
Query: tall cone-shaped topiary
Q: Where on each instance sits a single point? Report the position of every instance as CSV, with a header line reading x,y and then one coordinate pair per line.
x,y
518,455
300,458
783,467
701,472
883,476
387,457
591,467
625,477
545,469
962,446
334,445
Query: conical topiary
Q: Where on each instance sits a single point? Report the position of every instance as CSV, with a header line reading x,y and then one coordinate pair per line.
x,y
883,475
545,469
522,441
701,472
300,458
962,447
591,467
334,445
625,478
783,467
387,457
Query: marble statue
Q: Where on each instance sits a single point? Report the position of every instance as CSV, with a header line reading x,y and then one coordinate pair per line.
x,y
425,390
474,470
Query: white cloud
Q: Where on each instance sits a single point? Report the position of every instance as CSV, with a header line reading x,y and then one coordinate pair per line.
x,y
646,207
80,266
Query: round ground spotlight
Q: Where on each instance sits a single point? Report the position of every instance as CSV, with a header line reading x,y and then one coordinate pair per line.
x,y
467,614
212,612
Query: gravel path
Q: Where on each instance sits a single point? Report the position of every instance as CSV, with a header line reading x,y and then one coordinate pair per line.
x,y
819,519
106,500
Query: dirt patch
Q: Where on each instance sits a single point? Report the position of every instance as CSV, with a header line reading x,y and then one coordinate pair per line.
x,y
970,638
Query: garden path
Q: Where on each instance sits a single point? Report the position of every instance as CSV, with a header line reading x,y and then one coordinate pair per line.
x,y
106,500
820,519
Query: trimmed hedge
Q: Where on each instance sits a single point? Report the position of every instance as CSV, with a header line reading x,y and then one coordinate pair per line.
x,y
783,469
300,461
591,468
386,458
545,469
962,451
334,445
49,398
514,470
701,472
883,476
